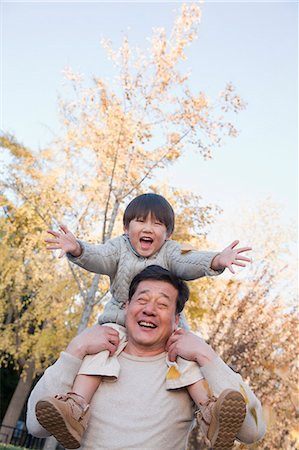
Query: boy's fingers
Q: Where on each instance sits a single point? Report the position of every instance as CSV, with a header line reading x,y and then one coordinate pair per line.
x,y
242,258
64,228
233,244
244,249
230,267
111,331
239,264
54,233
50,241
61,254
53,247
172,354
111,348
114,340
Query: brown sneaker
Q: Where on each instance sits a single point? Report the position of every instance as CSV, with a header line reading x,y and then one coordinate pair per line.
x,y
65,417
221,419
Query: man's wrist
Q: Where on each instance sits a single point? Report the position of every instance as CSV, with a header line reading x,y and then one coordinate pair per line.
x,y
206,355
75,349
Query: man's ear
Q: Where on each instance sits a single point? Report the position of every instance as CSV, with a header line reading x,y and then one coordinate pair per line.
x,y
126,306
177,319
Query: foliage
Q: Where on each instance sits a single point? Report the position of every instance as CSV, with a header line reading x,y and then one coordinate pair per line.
x,y
253,323
114,138
30,298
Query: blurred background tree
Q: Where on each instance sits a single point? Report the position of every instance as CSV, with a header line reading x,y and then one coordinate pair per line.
x,y
115,138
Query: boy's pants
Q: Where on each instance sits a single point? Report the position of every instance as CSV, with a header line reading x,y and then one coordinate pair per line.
x,y
108,366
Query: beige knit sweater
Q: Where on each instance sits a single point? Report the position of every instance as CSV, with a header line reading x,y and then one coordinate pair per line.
x,y
137,412
118,259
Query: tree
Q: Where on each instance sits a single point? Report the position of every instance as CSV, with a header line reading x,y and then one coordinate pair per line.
x,y
252,322
114,140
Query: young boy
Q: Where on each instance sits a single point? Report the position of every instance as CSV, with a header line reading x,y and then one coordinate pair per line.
x,y
148,225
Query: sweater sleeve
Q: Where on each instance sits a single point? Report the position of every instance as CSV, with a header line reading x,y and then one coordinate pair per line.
x,y
101,258
190,264
57,379
220,377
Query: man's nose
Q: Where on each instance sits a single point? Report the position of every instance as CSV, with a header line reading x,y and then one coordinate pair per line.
x,y
149,309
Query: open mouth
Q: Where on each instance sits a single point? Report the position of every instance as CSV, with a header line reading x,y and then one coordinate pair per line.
x,y
146,242
144,324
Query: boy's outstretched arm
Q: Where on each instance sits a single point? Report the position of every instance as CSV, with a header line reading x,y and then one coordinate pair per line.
x,y
65,241
229,256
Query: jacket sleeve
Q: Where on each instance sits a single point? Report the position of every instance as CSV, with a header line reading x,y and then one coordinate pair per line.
x,y
102,258
57,379
220,377
189,264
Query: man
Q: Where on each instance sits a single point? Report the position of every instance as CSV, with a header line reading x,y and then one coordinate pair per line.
x,y
137,412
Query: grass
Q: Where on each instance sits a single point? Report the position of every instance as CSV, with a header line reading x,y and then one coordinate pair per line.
x,y
10,447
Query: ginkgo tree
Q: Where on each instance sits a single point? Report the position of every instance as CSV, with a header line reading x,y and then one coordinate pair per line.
x,y
115,136
252,321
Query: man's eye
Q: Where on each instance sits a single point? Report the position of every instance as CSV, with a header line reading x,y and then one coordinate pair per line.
x,y
142,301
163,305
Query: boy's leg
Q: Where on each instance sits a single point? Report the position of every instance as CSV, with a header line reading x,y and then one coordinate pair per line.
x,y
66,416
219,418
86,385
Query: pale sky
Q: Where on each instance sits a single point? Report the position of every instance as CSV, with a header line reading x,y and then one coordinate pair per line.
x,y
254,45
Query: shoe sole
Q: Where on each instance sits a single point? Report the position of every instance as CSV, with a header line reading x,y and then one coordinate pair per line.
x,y
230,412
52,420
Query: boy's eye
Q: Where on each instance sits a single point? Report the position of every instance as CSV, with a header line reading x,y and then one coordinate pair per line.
x,y
157,222
139,219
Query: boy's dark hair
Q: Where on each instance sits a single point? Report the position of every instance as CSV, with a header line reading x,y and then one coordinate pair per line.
x,y
158,273
155,204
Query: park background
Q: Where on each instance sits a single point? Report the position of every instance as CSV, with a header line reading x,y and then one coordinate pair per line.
x,y
223,184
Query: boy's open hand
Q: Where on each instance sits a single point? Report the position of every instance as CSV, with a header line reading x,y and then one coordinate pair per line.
x,y
229,256
65,241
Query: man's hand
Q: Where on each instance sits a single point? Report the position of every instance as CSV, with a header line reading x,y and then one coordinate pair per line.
x,y
229,256
94,340
64,241
189,346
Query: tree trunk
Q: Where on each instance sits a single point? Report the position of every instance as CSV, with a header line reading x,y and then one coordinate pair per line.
x,y
88,306
16,403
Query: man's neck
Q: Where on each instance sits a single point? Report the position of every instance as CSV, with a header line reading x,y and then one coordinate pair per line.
x,y
136,350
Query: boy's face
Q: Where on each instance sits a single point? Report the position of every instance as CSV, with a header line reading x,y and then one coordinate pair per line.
x,y
146,235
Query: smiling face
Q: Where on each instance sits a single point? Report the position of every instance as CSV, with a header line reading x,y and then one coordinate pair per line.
x,y
147,235
151,317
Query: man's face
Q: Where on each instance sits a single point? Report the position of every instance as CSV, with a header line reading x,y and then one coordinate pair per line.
x,y
146,235
151,317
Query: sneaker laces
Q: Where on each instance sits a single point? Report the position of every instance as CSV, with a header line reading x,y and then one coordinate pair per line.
x,y
77,404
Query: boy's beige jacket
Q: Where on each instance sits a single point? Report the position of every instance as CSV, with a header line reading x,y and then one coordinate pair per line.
x,y
118,259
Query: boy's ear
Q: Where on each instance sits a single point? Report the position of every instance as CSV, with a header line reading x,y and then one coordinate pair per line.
x,y
168,236
125,229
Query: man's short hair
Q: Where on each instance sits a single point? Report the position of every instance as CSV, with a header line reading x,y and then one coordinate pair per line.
x,y
155,204
158,273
